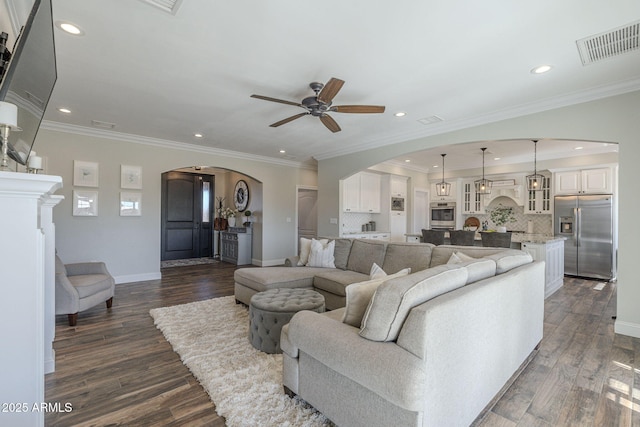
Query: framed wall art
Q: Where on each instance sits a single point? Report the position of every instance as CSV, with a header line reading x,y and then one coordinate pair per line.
x,y
131,177
85,174
85,203
130,204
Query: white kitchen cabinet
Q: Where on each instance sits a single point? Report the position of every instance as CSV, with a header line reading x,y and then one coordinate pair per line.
x,y
398,226
539,202
472,202
370,193
552,253
398,186
361,193
586,181
453,194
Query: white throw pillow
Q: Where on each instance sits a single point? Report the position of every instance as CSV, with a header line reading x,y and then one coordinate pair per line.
x,y
376,272
359,294
305,249
321,255
458,257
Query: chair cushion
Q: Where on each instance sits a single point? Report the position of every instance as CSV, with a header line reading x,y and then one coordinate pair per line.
x,y
90,284
394,299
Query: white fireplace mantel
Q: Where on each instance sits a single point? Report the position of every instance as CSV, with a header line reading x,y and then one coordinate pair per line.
x,y
26,201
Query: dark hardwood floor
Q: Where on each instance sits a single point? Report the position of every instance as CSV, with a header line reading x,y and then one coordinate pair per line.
x,y
115,368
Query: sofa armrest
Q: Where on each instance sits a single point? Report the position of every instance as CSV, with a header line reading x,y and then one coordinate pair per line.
x,y
383,367
292,261
82,268
66,295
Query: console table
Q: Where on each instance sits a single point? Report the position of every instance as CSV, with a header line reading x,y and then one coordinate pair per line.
x,y
235,245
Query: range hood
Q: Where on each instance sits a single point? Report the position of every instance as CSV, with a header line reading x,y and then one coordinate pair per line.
x,y
514,192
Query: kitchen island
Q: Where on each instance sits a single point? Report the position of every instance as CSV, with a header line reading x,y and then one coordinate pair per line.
x,y
542,247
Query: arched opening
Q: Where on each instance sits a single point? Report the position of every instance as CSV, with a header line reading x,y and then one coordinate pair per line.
x,y
200,205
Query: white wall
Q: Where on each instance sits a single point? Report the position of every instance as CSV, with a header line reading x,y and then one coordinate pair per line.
x,y
131,245
613,119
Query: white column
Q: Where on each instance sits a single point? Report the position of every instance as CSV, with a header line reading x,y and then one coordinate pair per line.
x,y
49,230
22,306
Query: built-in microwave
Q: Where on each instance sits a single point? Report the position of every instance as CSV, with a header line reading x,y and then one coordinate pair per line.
x,y
397,204
443,215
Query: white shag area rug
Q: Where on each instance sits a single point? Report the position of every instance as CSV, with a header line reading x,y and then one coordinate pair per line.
x,y
245,384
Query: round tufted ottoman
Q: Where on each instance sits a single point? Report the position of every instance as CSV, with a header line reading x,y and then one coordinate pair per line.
x,y
270,310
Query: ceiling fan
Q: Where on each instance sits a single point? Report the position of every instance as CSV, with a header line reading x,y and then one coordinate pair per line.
x,y
320,104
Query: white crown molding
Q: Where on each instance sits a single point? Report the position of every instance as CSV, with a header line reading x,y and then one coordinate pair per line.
x,y
509,113
408,166
163,143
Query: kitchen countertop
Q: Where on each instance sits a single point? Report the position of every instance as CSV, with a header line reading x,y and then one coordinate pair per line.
x,y
351,233
516,237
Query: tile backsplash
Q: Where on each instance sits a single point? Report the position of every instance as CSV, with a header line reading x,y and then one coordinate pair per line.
x,y
542,224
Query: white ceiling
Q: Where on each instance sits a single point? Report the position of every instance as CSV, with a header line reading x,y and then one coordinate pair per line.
x,y
167,76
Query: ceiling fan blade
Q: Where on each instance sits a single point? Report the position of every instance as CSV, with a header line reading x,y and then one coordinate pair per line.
x,y
287,120
330,90
358,108
330,123
281,101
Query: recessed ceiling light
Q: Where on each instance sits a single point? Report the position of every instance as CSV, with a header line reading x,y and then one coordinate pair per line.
x,y
435,166
496,158
198,135
282,151
400,114
407,161
578,148
70,28
64,110
541,69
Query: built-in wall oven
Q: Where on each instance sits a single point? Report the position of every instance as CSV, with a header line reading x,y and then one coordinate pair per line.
x,y
443,215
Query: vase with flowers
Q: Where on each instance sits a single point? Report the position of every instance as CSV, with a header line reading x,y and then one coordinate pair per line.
x,y
501,215
228,214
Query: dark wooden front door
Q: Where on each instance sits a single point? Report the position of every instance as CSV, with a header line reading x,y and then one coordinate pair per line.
x,y
187,215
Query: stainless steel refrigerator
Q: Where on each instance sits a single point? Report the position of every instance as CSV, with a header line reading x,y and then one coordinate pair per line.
x,y
586,221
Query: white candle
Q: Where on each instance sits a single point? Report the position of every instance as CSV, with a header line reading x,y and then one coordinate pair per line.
x,y
35,162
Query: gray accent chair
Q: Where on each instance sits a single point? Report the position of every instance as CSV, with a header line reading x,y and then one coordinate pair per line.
x,y
462,237
81,286
435,237
496,240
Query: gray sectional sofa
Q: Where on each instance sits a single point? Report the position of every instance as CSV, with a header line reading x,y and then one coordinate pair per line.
x,y
353,261
432,348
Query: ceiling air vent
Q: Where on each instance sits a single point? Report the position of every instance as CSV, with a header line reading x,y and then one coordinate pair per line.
x,y
612,43
430,120
169,6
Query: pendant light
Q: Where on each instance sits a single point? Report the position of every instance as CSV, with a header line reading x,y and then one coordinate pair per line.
x,y
534,182
443,188
483,186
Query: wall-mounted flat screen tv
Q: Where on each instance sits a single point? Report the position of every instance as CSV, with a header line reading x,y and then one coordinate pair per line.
x,y
30,77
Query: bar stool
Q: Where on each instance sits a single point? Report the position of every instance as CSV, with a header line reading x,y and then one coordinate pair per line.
x,y
462,237
433,236
496,240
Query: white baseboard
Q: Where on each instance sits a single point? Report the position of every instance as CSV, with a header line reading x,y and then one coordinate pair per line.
x,y
627,328
50,365
137,277
268,262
